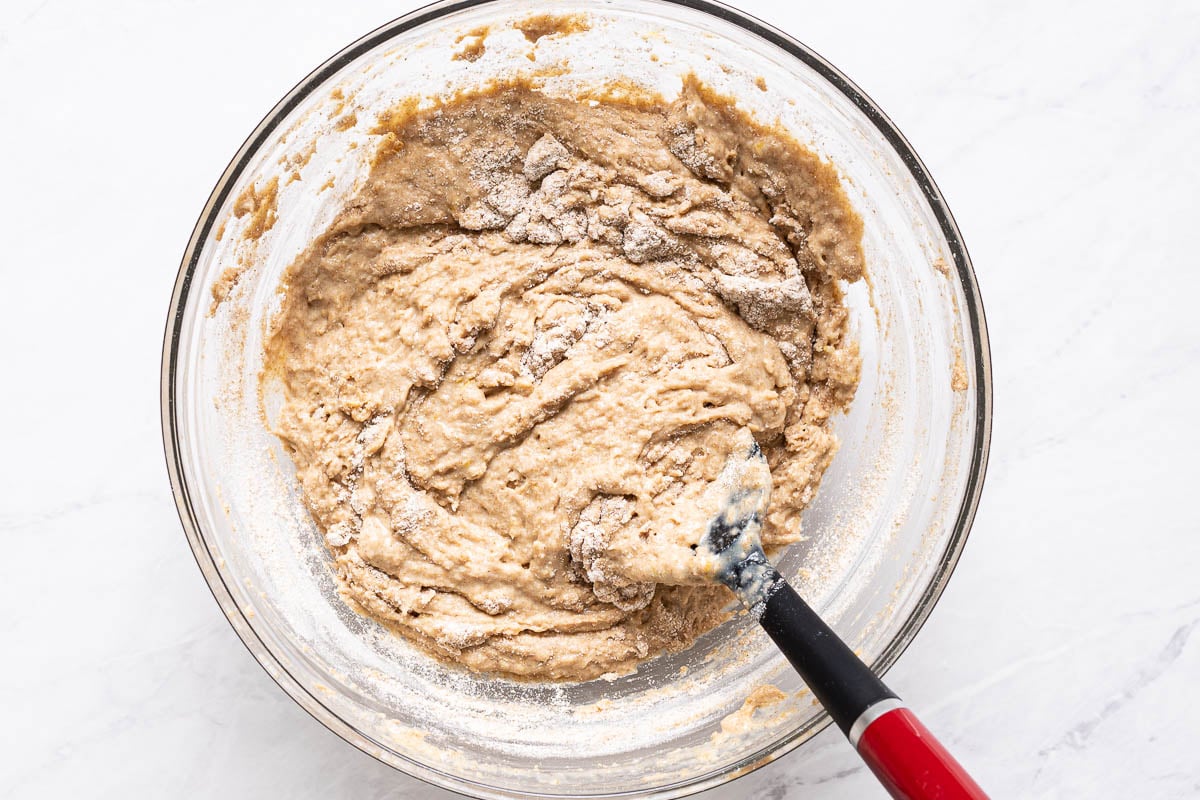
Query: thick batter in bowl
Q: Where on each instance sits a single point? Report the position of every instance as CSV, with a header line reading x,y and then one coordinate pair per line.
x,y
516,363
883,533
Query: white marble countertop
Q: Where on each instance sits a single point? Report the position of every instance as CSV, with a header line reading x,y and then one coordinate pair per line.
x,y
1061,662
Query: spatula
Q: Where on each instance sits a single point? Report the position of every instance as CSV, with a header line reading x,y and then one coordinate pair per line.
x,y
903,754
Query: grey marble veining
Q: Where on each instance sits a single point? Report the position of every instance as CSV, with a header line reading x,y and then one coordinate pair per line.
x,y
1063,658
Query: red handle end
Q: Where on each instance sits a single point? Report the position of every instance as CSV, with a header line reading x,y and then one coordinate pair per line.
x,y
911,763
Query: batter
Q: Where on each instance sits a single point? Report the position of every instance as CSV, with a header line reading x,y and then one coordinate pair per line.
x,y
515,362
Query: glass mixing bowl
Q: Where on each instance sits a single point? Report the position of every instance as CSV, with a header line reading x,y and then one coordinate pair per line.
x,y
883,535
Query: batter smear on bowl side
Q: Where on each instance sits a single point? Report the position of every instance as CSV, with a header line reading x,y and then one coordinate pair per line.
x,y
517,360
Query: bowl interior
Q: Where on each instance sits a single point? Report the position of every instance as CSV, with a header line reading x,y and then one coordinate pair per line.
x,y
883,533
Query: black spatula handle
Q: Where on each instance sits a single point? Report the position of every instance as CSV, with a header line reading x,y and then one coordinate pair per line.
x,y
908,760
839,679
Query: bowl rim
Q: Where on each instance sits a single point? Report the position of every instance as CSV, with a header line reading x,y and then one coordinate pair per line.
x,y
272,663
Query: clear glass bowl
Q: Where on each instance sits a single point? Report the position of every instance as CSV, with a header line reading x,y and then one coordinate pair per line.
x,y
884,533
